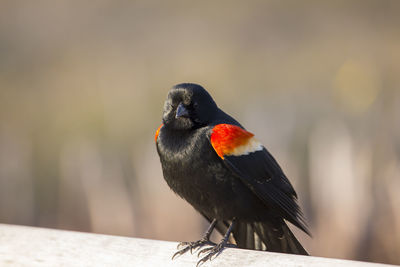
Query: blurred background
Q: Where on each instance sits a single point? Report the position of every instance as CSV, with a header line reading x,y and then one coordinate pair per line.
x,y
82,86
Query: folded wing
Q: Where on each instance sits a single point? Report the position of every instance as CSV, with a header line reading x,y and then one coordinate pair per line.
x,y
256,167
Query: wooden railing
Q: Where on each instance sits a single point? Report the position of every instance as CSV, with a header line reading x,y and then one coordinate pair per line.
x,y
30,246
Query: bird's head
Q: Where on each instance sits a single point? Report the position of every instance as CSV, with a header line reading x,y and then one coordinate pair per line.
x,y
188,106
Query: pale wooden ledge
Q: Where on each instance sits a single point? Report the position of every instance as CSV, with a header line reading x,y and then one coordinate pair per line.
x,y
30,246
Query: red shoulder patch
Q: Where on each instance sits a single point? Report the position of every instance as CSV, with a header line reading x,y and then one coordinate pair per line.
x,y
227,138
157,132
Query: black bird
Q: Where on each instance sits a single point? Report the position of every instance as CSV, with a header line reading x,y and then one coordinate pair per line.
x,y
211,161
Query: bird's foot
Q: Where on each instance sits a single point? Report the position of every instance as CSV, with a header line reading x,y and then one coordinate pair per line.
x,y
186,246
213,251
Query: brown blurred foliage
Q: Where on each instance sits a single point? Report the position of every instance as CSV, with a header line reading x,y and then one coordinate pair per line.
x,y
82,85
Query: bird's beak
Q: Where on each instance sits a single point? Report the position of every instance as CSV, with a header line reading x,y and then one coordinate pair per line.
x,y
181,111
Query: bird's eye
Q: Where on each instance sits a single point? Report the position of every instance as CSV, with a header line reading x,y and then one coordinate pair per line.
x,y
195,105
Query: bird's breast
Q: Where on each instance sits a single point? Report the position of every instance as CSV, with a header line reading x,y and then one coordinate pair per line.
x,y
194,171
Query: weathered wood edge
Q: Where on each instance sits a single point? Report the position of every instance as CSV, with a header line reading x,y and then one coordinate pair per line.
x,y
32,246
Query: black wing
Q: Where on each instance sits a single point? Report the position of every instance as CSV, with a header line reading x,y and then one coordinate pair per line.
x,y
262,174
257,169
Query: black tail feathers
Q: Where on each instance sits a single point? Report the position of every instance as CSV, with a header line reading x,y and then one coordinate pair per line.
x,y
275,237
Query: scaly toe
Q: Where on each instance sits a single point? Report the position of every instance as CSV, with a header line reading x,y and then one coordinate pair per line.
x,y
181,252
182,244
186,246
204,250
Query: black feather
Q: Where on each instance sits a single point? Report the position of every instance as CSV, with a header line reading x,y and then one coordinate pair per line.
x,y
260,172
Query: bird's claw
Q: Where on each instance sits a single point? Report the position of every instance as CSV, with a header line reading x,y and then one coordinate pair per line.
x,y
182,244
180,252
213,251
191,246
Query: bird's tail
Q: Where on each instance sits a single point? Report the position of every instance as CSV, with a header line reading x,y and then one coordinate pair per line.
x,y
275,237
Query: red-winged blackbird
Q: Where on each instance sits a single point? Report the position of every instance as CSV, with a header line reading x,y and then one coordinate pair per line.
x,y
211,161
